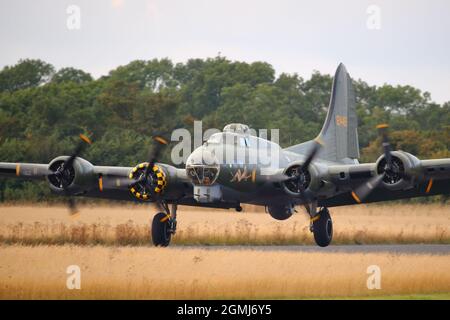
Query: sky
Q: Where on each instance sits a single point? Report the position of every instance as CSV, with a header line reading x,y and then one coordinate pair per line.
x,y
395,42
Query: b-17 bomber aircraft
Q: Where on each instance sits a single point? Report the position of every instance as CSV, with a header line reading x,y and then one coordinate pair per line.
x,y
317,174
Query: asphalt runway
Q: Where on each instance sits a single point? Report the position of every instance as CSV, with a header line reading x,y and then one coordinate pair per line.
x,y
435,249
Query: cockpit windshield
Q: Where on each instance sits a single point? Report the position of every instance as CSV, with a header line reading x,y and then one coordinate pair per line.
x,y
202,175
202,167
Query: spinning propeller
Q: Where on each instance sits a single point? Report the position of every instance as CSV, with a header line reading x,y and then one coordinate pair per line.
x,y
143,179
65,173
153,156
301,177
146,181
390,173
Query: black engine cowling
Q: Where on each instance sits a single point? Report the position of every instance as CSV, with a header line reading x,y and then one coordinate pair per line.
x,y
405,167
79,178
309,179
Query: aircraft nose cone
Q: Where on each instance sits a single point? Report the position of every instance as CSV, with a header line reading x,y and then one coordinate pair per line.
x,y
202,167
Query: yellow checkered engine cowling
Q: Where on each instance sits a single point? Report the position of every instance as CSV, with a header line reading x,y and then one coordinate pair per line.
x,y
156,182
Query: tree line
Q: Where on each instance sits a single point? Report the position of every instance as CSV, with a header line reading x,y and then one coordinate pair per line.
x,y
42,111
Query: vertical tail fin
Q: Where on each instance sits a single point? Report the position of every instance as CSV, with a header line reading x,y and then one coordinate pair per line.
x,y
339,133
340,130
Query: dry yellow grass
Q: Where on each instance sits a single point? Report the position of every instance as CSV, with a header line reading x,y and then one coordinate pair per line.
x,y
176,273
129,225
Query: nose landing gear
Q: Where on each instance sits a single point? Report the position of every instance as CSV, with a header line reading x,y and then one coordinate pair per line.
x,y
164,225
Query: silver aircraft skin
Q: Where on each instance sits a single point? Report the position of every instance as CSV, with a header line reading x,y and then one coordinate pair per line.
x,y
237,167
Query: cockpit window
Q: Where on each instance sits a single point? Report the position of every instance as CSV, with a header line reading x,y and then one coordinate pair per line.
x,y
202,175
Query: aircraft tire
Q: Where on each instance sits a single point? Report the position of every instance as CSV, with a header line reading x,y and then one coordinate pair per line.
x,y
160,230
323,228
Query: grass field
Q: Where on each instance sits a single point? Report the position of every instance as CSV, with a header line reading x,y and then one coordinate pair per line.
x,y
181,273
129,225
111,246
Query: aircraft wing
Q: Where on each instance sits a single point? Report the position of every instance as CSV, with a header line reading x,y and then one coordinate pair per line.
x,y
432,177
108,182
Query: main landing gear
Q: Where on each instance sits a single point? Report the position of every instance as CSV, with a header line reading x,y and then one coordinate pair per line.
x,y
321,226
164,225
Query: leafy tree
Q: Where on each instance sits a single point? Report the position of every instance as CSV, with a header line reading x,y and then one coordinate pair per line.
x,y
71,75
25,74
154,74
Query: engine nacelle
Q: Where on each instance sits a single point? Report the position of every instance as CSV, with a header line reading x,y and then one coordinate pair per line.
x,y
310,179
81,176
163,179
156,184
406,167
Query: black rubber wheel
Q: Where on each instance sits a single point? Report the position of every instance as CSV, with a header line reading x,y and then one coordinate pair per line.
x,y
323,228
160,230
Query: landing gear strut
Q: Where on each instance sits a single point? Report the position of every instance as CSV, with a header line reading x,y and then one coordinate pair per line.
x,y
322,227
164,225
